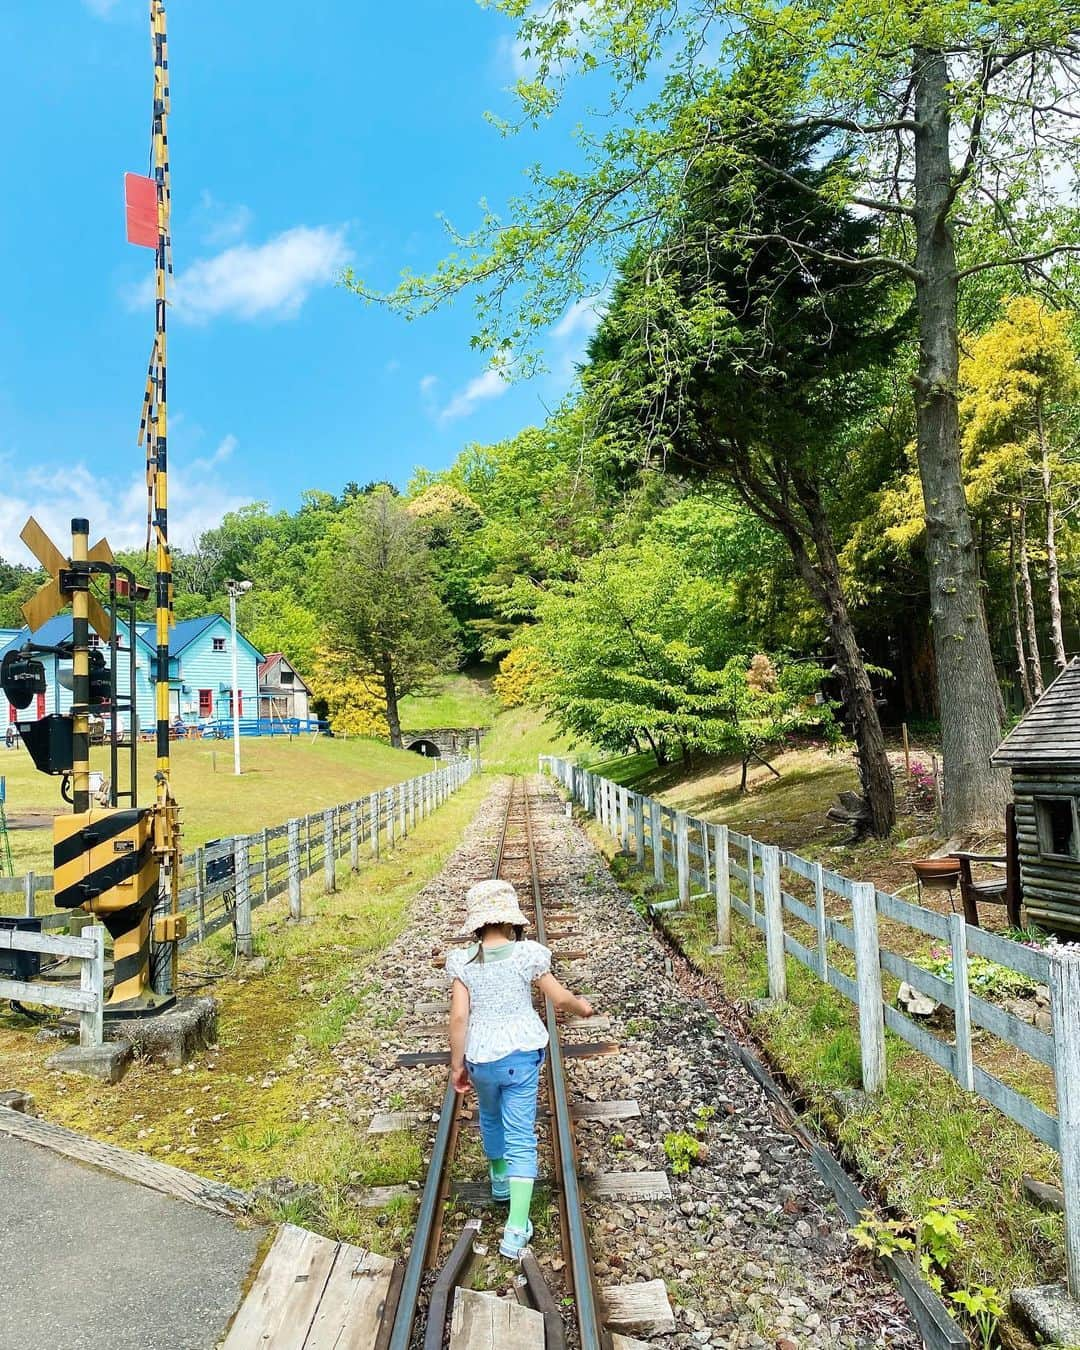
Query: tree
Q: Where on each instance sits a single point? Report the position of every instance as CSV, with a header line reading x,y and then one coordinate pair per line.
x,y
379,604
727,360
959,123
1019,414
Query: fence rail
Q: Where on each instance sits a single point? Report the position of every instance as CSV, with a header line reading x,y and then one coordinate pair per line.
x,y
756,881
225,880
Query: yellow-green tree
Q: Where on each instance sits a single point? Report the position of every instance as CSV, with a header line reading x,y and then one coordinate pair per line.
x,y
1019,409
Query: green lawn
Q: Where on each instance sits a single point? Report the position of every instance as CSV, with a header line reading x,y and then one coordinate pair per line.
x,y
463,700
280,779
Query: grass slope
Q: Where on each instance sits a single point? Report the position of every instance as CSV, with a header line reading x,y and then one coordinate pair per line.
x,y
280,779
463,700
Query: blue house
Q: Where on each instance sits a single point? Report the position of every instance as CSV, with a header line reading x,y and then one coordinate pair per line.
x,y
200,671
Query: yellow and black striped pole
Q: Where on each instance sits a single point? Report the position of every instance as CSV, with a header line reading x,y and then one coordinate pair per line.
x,y
80,666
167,834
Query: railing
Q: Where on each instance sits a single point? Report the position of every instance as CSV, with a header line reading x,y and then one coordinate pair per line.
x,y
758,881
88,1000
226,880
221,728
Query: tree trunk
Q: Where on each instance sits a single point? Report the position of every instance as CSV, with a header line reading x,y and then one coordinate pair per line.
x,y
1018,632
1053,579
1029,607
745,766
858,695
393,721
975,792
661,757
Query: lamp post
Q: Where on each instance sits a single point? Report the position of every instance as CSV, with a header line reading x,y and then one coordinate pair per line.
x,y
234,589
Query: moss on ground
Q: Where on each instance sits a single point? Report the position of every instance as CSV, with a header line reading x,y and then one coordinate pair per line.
x,y
257,1106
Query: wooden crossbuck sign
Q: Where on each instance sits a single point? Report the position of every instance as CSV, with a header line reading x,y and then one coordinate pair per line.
x,y
49,598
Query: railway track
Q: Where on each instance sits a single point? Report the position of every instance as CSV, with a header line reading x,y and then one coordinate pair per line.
x,y
412,1320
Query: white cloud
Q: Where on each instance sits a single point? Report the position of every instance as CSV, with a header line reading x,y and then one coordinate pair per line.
x,y
251,281
102,8
220,224
115,508
492,384
428,383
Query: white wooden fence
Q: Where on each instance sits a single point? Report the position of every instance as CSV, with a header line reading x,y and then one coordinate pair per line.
x,y
88,1000
224,881
742,875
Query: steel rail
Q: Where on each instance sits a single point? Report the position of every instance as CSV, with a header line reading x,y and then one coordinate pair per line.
x,y
429,1218
587,1309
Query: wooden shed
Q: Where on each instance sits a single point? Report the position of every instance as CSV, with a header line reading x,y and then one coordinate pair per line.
x,y
1042,752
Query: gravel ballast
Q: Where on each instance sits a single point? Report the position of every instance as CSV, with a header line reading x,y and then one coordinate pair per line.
x,y
751,1247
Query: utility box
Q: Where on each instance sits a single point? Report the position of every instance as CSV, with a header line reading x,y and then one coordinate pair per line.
x,y
14,965
104,860
50,741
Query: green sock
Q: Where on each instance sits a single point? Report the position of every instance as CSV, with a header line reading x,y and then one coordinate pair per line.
x,y
521,1189
497,1167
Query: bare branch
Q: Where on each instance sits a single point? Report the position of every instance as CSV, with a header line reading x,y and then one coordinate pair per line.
x,y
1020,261
870,262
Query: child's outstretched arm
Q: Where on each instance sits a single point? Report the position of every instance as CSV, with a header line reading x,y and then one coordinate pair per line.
x,y
563,999
459,1030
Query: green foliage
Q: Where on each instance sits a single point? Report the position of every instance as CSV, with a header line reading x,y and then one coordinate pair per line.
x,y
682,1150
379,602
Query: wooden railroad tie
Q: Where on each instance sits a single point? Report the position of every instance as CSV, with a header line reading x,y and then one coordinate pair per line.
x,y
591,1050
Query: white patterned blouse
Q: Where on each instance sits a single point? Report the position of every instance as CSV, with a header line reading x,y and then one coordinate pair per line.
x,y
502,1018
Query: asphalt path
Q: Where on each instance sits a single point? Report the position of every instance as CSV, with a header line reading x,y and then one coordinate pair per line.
x,y
89,1261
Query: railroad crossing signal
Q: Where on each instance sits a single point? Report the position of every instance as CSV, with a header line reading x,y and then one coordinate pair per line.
x,y
55,594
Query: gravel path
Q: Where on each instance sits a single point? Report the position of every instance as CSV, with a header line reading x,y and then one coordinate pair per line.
x,y
752,1248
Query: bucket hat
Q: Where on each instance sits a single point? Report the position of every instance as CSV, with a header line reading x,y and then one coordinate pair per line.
x,y
491,902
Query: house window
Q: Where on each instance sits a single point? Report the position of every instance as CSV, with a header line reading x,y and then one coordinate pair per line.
x,y
219,644
206,703
239,702
1058,833
286,677
93,640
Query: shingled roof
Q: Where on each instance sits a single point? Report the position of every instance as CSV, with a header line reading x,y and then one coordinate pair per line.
x,y
1049,732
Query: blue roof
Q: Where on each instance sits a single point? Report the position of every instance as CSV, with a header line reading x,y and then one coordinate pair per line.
x,y
187,630
58,629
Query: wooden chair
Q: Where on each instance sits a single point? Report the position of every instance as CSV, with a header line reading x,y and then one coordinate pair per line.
x,y
999,890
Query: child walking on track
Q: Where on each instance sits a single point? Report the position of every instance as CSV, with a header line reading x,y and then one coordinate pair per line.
x,y
498,1043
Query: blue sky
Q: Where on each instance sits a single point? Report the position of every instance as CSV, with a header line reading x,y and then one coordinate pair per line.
x,y
303,137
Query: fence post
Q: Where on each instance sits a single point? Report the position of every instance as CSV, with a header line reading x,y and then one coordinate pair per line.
x,y
390,818
822,921
722,870
403,808
774,922
243,897
29,895
266,864
354,837
307,836
751,879
373,809
598,798
92,981
329,861
868,982
703,830
682,855
294,869
958,938
639,831
1064,1001
200,892
624,818
656,830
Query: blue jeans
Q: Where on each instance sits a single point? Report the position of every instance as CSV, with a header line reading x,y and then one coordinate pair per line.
x,y
506,1094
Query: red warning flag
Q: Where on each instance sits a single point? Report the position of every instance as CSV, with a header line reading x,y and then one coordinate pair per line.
x,y
140,202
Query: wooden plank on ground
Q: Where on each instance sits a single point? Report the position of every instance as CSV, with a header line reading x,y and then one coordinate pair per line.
x,y
627,1110
598,1022
431,1009
483,1322
638,1309
376,1197
281,1304
351,1307
636,1186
